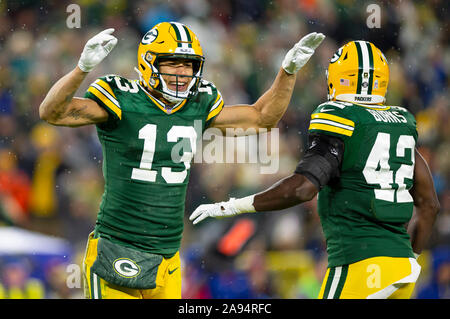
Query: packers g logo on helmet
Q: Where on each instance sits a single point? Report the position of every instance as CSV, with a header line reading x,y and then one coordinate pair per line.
x,y
358,72
150,36
169,40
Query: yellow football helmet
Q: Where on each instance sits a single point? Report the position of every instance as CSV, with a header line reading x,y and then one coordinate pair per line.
x,y
169,40
358,72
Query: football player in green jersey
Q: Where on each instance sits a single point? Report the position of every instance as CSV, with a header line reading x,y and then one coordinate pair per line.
x,y
133,251
363,163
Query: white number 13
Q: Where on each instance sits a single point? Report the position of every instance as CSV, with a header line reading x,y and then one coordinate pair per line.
x,y
148,134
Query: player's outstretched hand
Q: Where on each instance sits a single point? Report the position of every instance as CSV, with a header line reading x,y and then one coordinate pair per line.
x,y
302,51
223,209
96,49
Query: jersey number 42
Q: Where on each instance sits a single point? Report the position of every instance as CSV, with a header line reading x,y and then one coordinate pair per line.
x,y
377,169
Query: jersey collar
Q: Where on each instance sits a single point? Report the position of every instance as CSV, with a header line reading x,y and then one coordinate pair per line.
x,y
168,109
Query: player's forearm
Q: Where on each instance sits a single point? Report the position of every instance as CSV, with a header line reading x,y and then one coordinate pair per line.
x,y
426,203
273,103
58,98
422,226
288,192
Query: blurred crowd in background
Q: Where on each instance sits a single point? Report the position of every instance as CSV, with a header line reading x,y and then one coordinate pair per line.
x,y
50,177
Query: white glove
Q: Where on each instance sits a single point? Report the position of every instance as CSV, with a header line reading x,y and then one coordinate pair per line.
x,y
223,209
96,49
297,57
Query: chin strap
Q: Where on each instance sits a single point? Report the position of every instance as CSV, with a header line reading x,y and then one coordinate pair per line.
x,y
141,78
166,96
172,99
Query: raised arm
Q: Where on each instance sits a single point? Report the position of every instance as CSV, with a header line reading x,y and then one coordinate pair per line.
x,y
426,204
267,111
59,106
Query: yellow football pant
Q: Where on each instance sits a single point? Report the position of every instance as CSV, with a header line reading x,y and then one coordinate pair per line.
x,y
372,278
168,280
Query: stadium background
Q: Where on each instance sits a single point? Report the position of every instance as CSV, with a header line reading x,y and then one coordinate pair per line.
x,y
50,177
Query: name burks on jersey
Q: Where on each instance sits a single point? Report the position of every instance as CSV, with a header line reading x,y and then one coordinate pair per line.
x,y
387,116
390,114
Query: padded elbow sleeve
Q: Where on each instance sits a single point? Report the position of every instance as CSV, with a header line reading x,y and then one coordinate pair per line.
x,y
322,160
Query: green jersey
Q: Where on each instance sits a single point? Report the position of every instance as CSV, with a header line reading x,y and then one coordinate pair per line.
x,y
364,211
147,150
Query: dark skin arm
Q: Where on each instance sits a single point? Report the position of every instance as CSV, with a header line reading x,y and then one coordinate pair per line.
x,y
426,204
288,192
296,189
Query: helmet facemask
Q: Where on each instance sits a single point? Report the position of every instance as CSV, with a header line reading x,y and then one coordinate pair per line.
x,y
170,40
156,81
176,96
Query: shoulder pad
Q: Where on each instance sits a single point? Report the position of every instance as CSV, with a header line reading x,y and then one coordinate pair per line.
x,y
104,91
204,82
212,98
332,106
120,83
399,108
331,119
206,87
406,113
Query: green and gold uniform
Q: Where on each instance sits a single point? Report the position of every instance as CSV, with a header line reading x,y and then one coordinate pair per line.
x,y
147,150
363,212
